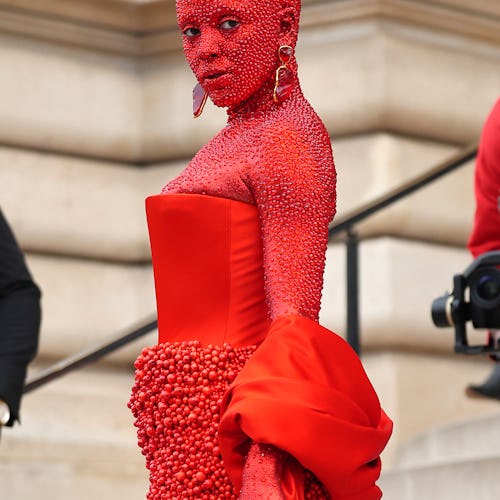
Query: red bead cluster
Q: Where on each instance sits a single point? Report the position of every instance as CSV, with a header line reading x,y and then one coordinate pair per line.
x,y
313,489
175,400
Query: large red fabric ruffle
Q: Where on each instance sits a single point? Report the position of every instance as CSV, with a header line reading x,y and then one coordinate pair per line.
x,y
305,391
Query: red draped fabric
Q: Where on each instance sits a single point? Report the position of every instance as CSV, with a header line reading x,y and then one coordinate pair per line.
x,y
305,391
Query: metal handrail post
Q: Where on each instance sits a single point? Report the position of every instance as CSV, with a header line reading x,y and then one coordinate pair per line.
x,y
352,247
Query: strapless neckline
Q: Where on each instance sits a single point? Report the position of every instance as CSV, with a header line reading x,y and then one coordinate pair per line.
x,y
208,270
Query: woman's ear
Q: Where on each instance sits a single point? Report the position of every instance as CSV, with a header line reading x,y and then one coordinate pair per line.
x,y
288,22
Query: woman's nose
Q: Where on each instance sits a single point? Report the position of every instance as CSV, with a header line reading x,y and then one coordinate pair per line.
x,y
210,44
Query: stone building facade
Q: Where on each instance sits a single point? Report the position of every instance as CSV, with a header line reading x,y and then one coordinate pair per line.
x,y
95,114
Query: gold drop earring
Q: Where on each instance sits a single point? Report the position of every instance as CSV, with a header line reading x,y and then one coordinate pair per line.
x,y
284,77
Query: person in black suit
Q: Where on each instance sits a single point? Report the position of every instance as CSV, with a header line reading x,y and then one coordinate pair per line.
x,y
20,315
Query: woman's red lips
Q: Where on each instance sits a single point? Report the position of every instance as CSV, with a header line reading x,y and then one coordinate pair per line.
x,y
215,81
213,76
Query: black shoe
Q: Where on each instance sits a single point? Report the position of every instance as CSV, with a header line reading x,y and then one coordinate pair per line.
x,y
489,389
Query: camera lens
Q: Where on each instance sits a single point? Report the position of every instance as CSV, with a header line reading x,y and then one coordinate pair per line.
x,y
488,288
441,311
485,288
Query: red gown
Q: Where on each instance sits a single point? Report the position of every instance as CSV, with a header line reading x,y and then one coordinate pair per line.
x,y
224,375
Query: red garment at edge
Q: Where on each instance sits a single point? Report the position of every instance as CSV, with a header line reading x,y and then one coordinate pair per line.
x,y
485,235
300,387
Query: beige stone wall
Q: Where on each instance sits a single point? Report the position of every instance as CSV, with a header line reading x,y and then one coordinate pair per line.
x,y
119,88
95,100
95,115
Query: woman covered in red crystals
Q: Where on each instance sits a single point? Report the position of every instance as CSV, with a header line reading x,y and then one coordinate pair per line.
x,y
246,395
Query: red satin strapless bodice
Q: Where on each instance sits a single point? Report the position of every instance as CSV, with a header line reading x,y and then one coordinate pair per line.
x,y
207,259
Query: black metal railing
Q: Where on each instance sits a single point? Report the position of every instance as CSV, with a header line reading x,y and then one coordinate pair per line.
x,y
348,221
344,224
92,354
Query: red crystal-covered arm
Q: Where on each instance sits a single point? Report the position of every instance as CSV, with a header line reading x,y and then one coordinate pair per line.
x,y
295,194
294,189
262,473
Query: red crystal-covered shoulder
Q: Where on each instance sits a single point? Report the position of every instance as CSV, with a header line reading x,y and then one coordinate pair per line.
x,y
294,188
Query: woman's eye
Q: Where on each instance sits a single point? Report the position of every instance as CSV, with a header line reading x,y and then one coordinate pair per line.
x,y
190,32
229,24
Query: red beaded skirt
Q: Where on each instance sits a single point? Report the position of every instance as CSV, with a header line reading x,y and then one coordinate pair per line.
x,y
302,390
176,401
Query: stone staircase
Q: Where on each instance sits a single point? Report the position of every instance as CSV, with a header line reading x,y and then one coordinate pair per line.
x,y
76,442
453,462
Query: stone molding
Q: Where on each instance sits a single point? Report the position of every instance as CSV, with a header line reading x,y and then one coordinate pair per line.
x,y
74,193
132,16
363,68
125,37
448,18
144,28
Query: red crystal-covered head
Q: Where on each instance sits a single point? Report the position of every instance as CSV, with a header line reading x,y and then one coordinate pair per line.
x,y
232,45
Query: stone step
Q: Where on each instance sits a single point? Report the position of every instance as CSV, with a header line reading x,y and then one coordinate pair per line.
x,y
88,405
420,391
76,441
79,208
467,440
475,479
86,302
100,479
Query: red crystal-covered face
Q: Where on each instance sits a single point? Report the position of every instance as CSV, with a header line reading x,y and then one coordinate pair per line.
x,y
231,45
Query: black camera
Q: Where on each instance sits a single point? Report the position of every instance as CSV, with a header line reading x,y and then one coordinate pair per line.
x,y
480,285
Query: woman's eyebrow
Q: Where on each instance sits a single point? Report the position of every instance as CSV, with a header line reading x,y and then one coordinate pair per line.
x,y
214,17
187,19
229,11
185,22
